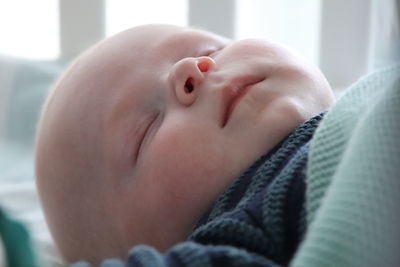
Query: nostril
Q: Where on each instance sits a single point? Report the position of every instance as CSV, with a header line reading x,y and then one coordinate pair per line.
x,y
189,85
203,66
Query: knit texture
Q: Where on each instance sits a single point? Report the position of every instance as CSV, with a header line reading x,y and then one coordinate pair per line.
x,y
353,179
257,221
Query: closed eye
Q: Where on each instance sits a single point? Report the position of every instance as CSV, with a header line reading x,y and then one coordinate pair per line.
x,y
212,53
145,135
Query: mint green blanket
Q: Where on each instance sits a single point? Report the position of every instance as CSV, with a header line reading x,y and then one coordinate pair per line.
x,y
353,194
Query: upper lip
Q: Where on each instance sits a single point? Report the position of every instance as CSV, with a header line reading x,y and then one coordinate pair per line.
x,y
232,92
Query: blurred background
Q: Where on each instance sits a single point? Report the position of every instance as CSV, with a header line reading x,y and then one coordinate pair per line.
x,y
345,38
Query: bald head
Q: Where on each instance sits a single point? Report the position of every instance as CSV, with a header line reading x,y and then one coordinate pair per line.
x,y
70,163
86,139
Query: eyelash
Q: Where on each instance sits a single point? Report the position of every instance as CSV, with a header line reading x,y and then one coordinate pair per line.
x,y
212,53
209,53
145,134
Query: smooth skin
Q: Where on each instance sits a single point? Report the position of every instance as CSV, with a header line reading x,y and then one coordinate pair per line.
x,y
137,140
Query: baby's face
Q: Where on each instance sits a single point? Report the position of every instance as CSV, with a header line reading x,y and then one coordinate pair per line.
x,y
150,126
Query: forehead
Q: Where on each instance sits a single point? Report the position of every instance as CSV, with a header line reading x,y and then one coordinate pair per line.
x,y
162,40
133,55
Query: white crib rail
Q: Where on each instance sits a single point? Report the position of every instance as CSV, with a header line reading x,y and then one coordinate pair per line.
x,y
216,16
89,15
344,40
349,37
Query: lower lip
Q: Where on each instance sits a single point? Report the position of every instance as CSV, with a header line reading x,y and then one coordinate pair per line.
x,y
239,95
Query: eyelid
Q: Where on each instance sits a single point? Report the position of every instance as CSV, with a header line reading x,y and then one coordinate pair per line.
x,y
145,135
216,51
212,54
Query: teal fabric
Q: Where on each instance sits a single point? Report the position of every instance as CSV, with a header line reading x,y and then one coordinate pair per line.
x,y
353,178
17,242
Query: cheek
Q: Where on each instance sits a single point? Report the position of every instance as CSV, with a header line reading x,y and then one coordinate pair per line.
x,y
181,158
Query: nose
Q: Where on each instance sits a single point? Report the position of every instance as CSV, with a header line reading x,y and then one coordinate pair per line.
x,y
187,76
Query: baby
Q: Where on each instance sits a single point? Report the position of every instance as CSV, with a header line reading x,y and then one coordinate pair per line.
x,y
147,129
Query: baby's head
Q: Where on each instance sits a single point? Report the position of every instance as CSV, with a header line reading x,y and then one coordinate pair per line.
x,y
146,129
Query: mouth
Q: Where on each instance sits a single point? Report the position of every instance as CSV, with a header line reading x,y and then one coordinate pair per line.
x,y
232,93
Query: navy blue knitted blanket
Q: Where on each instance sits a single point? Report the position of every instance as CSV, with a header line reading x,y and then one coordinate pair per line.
x,y
258,221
